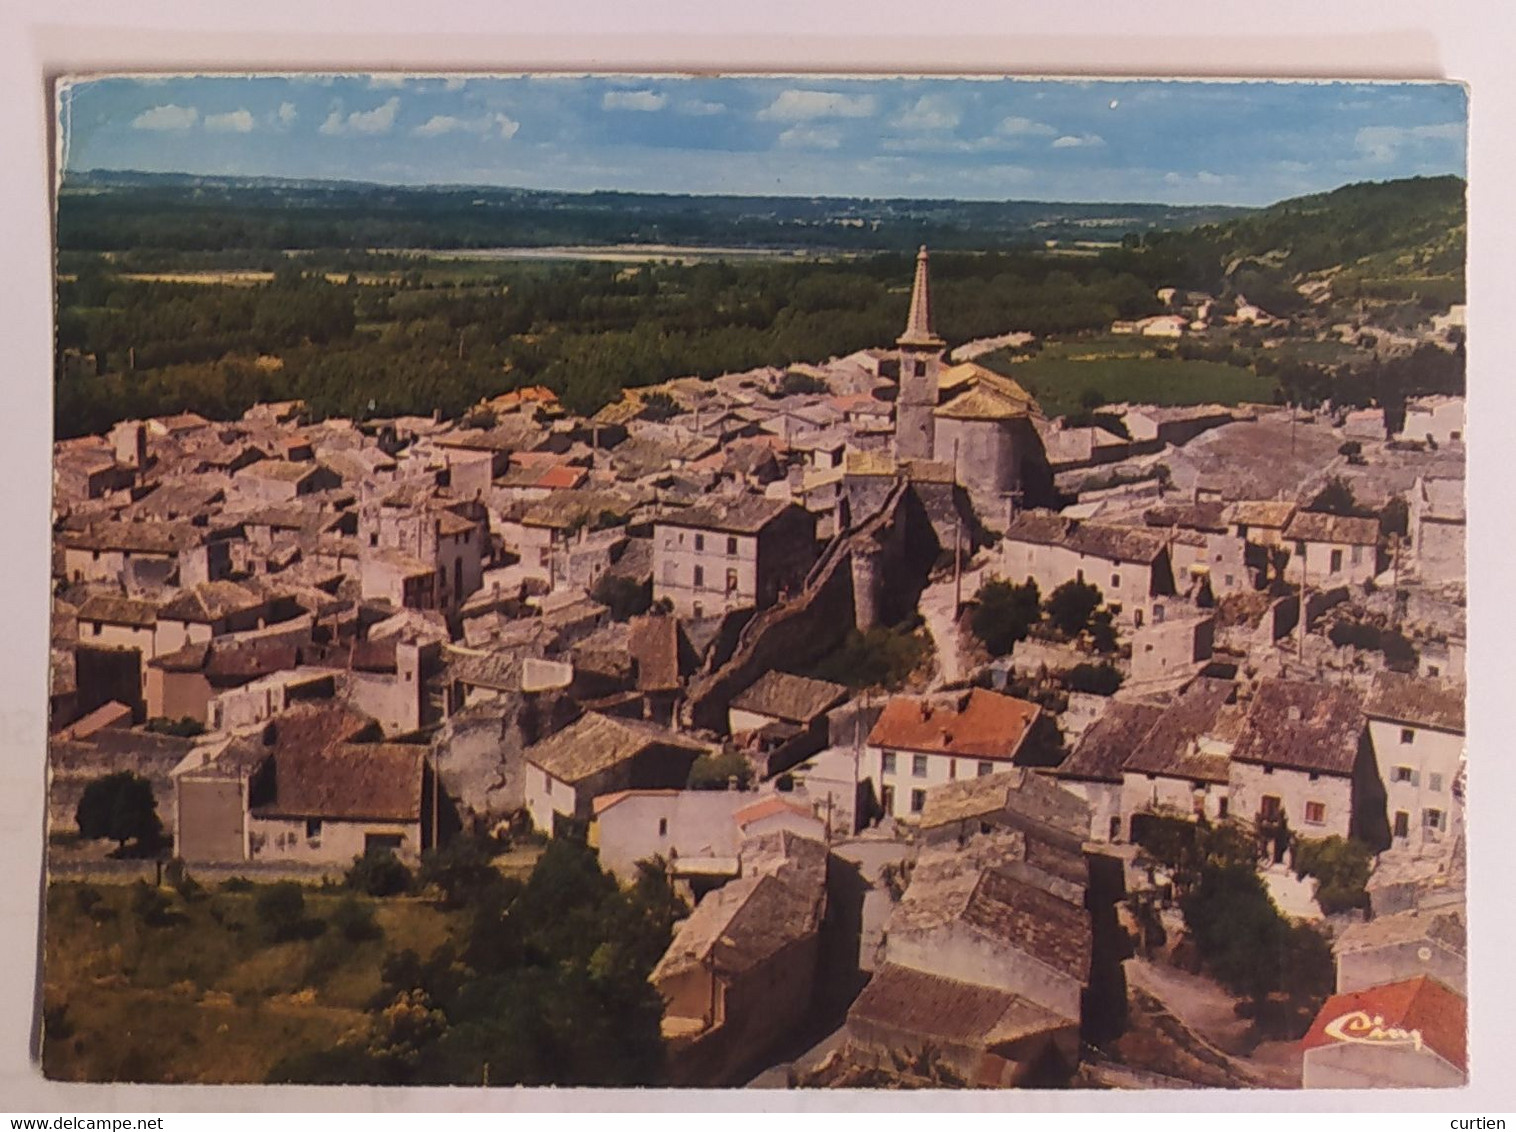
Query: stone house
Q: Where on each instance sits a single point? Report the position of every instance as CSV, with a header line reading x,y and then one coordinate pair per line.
x,y
1093,769
595,755
1174,648
694,831
1046,823
213,609
260,699
281,481
740,973
786,715
1204,551
1304,754
396,536
719,556
1438,530
103,552
921,742
181,684
1404,945
1410,1034
1333,550
1181,766
392,680
1416,726
1437,419
1259,522
1129,565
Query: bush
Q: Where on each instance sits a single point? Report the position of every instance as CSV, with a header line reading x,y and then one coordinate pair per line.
x,y
150,905
281,908
1340,867
1097,679
1070,606
1349,448
794,383
184,727
715,772
1004,614
379,874
354,920
624,597
461,870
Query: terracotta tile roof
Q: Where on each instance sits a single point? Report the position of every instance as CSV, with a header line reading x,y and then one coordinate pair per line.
x,y
1274,514
1017,792
1170,747
112,714
981,724
932,1008
747,514
352,781
1430,1012
594,743
1417,700
139,538
1098,540
1302,726
769,807
561,476
653,642
118,611
284,471
209,602
1009,911
796,699
1317,526
1191,516
869,463
1106,744
1446,928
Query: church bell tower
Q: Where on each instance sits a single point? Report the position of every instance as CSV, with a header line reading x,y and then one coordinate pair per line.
x,y
920,362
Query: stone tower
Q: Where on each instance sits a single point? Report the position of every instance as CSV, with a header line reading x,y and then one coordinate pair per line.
x,y
920,361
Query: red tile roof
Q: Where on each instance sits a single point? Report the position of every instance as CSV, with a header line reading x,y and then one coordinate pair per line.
x,y
1422,1009
982,724
768,808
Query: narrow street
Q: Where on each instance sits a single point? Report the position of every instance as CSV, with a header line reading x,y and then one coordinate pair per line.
x,y
939,615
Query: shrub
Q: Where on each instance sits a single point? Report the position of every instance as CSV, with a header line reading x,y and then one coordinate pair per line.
x,y
1098,679
379,874
624,597
150,905
354,920
1070,606
281,908
801,383
1340,867
715,772
119,807
184,727
1004,613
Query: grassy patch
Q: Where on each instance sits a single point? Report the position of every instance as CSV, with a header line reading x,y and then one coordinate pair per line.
x,y
1059,383
206,997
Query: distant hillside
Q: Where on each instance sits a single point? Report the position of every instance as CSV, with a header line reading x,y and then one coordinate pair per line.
x,y
1390,240
126,211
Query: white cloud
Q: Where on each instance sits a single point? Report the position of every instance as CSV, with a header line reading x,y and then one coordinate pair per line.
x,y
440,124
803,105
287,114
1205,177
232,122
1025,128
168,117
930,112
633,100
1077,141
383,81
811,137
1172,178
1382,144
455,84
379,120
700,109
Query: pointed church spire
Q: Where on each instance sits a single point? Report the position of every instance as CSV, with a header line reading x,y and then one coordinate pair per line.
x,y
918,324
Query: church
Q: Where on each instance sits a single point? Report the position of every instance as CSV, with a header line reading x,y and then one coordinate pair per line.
x,y
979,421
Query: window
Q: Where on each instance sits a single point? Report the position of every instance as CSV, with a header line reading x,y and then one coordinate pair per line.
x,y
1336,561
1315,813
1268,770
952,769
1433,670
1300,548
920,369
1230,581
731,581
382,842
1407,736
95,628
1434,783
887,799
1315,775
313,828
986,768
731,546
1115,834
918,766
1357,555
663,827
918,801
373,538
1432,819
1222,805
887,763
1404,774
1115,581
699,542
1270,807
699,576
697,611
1402,824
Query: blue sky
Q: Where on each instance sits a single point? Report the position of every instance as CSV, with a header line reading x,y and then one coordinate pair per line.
x,y
995,139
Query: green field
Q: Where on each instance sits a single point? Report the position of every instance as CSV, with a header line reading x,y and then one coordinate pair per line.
x,y
1060,383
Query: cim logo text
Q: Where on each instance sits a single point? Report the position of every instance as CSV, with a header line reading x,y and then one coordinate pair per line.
x,y
1362,1028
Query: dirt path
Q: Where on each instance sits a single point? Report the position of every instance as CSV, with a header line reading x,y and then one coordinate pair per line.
x,y
936,606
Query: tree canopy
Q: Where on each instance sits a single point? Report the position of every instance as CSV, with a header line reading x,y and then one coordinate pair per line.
x,y
119,807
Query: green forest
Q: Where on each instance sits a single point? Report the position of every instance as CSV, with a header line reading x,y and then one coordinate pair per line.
x,y
411,340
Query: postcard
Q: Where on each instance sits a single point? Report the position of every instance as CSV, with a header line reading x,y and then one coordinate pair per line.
x,y
803,581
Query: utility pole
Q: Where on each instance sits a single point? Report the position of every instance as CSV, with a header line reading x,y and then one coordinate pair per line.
x,y
1301,650
957,541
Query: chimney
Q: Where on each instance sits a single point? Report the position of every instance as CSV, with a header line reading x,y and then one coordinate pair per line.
x,y
1294,713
